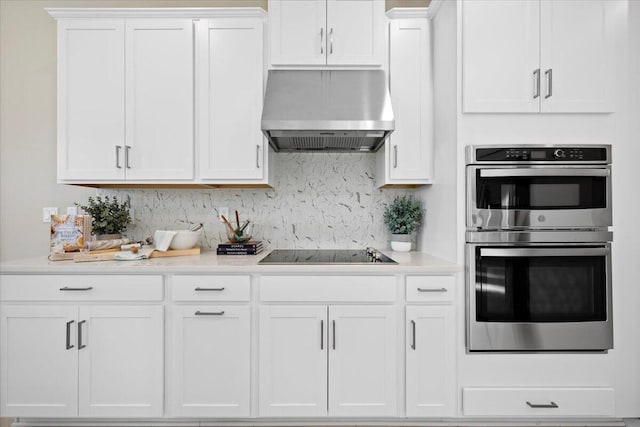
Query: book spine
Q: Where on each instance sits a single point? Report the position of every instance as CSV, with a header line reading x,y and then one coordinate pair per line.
x,y
221,251
239,246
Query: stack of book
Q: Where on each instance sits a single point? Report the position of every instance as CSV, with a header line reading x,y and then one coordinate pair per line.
x,y
246,248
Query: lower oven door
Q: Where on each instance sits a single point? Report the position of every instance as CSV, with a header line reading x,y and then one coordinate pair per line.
x,y
539,298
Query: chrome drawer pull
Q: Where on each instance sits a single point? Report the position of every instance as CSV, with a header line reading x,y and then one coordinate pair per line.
x,y
67,288
413,334
209,313
69,345
321,334
542,405
209,289
80,345
432,290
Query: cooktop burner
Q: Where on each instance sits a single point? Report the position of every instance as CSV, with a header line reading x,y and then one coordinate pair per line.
x,y
326,256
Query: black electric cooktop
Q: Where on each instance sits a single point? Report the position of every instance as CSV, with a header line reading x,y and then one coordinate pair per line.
x,y
326,256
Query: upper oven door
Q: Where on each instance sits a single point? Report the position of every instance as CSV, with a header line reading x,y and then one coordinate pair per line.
x,y
538,197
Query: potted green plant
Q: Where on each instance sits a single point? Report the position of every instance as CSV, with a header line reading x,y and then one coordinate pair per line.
x,y
402,218
110,218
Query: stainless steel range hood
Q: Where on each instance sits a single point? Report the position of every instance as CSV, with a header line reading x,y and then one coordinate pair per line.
x,y
336,110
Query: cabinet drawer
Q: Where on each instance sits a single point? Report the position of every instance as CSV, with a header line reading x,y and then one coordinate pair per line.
x,y
328,288
80,288
211,288
430,288
538,402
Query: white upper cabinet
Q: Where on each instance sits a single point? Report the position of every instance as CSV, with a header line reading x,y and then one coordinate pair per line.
x,y
91,129
407,156
576,58
125,100
159,99
231,87
536,56
161,96
327,32
298,34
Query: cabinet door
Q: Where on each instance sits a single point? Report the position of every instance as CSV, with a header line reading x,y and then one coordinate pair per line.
x,y
500,56
159,99
355,32
38,361
293,361
121,361
362,361
410,146
298,33
211,361
91,99
577,56
430,369
231,80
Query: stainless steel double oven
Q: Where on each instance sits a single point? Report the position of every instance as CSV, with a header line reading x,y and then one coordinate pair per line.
x,y
538,248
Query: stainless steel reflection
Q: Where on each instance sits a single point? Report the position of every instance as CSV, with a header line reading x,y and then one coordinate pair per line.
x,y
327,110
534,336
539,236
568,218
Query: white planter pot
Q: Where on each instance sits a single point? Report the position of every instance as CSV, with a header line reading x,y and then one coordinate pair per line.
x,y
401,242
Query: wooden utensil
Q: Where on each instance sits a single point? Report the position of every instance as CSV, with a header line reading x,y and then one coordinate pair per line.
x,y
233,231
237,219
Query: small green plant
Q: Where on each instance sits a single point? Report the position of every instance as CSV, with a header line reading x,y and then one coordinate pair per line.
x,y
108,215
404,215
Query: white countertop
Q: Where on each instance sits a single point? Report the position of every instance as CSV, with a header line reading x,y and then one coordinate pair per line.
x,y
209,262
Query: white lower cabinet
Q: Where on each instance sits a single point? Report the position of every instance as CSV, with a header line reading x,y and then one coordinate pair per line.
x,y
538,401
211,361
87,361
38,361
430,355
318,360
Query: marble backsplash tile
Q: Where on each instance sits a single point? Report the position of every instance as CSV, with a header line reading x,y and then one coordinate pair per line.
x,y
319,200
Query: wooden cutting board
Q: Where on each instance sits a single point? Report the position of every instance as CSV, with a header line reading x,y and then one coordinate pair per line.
x,y
108,256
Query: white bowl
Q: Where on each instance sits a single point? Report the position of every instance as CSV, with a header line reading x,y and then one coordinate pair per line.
x,y
185,239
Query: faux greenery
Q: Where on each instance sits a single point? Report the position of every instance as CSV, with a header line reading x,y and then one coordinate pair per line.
x,y
108,215
404,215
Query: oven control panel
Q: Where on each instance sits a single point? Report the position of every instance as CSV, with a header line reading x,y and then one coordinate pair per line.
x,y
560,154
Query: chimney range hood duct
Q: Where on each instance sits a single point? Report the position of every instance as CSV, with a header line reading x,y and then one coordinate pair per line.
x,y
327,110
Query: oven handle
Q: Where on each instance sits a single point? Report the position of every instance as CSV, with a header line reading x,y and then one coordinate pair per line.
x,y
542,252
488,173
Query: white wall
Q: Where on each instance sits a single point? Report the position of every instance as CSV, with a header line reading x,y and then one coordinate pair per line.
x,y
439,229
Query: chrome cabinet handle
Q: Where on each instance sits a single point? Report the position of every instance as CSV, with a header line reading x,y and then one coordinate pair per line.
x,y
126,156
413,334
258,156
536,83
209,313
432,290
69,345
322,41
334,333
331,42
395,156
321,334
67,288
549,75
118,148
80,345
542,405
208,289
